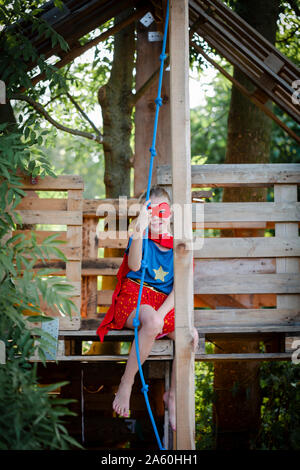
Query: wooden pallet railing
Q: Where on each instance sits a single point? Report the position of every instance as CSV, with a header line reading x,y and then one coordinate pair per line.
x,y
248,266
68,212
227,270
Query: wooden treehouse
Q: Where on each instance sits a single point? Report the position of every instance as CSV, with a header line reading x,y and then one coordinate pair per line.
x,y
245,286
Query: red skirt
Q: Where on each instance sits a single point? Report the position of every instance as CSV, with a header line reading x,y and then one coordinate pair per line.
x,y
126,302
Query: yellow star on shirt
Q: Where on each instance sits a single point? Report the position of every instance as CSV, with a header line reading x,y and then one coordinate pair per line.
x,y
160,274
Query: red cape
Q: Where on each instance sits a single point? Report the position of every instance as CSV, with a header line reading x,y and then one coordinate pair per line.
x,y
162,239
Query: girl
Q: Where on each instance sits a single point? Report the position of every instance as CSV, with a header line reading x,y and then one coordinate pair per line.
x,y
156,313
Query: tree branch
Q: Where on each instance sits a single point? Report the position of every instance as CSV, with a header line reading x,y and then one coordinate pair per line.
x,y
41,110
84,115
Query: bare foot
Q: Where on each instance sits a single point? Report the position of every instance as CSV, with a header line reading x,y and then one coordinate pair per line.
x,y
121,401
169,400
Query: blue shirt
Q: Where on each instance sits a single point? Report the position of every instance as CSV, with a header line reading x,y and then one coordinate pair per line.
x,y
160,270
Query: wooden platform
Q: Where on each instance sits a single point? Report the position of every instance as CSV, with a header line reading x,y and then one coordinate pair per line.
x,y
227,270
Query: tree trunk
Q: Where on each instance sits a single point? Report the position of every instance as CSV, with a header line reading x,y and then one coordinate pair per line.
x,y
115,99
236,384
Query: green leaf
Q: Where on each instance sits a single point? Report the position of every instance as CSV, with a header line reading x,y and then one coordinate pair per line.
x,y
38,318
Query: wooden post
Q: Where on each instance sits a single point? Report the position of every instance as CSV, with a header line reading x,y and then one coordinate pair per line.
x,y
287,193
183,255
89,283
73,267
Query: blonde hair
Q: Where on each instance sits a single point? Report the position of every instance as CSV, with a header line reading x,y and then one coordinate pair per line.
x,y
155,190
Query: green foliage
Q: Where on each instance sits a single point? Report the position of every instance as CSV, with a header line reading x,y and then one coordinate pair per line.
x,y
209,124
17,18
284,149
204,372
29,417
72,155
280,408
280,411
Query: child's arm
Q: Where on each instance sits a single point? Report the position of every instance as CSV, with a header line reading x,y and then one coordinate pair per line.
x,y
167,305
135,251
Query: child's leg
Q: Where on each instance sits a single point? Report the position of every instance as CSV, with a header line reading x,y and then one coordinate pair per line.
x,y
151,325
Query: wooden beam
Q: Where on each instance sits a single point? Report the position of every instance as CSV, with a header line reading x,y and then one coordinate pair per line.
x,y
252,247
248,284
89,277
74,238
61,183
252,97
51,217
253,175
79,50
247,212
183,267
244,357
289,232
257,318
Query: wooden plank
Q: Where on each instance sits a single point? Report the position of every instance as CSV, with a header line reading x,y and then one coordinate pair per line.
x,y
231,225
203,267
104,297
202,194
260,103
237,175
102,207
42,234
181,188
73,253
119,240
248,317
227,329
49,183
248,284
42,204
290,231
244,357
255,247
51,217
110,266
248,62
113,358
247,212
89,280
256,41
221,267
74,238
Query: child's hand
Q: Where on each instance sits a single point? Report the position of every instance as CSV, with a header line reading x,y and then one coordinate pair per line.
x,y
144,218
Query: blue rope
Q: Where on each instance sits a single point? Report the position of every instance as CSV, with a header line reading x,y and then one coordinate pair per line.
x,y
136,321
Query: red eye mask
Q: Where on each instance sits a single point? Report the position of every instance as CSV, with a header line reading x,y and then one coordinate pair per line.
x,y
161,210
